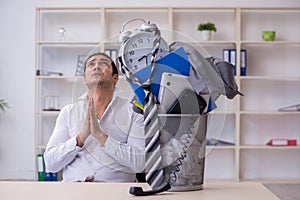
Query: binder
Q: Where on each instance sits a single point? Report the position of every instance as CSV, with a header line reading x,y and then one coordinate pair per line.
x,y
233,59
113,54
107,52
54,177
40,167
226,55
48,176
282,142
243,62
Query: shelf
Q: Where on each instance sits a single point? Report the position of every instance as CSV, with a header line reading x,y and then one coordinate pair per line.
x,y
249,121
270,78
275,43
223,18
228,147
214,161
265,95
214,42
272,181
67,43
266,147
69,9
275,19
66,78
222,112
273,113
268,164
50,113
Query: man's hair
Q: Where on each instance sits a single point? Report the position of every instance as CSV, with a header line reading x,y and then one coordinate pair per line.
x,y
114,67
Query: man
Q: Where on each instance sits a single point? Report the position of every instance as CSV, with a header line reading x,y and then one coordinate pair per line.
x,y
100,137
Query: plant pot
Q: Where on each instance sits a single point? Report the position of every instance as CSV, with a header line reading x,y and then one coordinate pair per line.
x,y
268,36
206,35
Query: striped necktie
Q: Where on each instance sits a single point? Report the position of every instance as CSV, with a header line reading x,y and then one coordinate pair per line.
x,y
153,168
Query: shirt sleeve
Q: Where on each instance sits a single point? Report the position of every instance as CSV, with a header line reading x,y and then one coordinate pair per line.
x,y
132,153
61,149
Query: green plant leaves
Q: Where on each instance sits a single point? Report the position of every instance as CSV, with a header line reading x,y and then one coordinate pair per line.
x,y
209,26
3,105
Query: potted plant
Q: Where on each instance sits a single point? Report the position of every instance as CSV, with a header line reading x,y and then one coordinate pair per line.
x,y
206,30
3,105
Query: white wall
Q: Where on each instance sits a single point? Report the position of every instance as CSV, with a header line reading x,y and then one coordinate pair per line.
x,y
17,51
17,31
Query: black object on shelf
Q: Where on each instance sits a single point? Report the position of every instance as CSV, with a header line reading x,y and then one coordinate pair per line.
x,y
295,107
47,73
218,142
51,109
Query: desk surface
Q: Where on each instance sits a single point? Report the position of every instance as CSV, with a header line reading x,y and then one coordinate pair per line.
x,y
57,190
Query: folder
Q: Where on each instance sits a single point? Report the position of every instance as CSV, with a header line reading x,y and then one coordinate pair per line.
x,y
48,176
40,167
113,54
243,62
175,62
233,59
54,177
107,52
226,55
282,142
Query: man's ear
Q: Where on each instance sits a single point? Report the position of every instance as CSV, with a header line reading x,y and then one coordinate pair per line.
x,y
115,78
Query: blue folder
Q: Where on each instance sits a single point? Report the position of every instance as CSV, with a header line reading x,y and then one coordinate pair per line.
x,y
176,62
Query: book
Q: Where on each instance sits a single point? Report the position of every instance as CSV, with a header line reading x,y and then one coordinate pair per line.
x,y
282,142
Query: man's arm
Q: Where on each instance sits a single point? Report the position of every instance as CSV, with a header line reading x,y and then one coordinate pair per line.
x,y
61,149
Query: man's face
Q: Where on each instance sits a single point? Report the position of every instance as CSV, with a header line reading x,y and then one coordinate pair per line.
x,y
99,72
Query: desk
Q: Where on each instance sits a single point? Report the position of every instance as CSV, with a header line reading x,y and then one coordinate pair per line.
x,y
119,191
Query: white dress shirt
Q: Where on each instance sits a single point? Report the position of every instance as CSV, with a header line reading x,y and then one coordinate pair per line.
x,y
118,160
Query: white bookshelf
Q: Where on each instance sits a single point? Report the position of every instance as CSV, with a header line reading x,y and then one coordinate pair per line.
x,y
272,81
